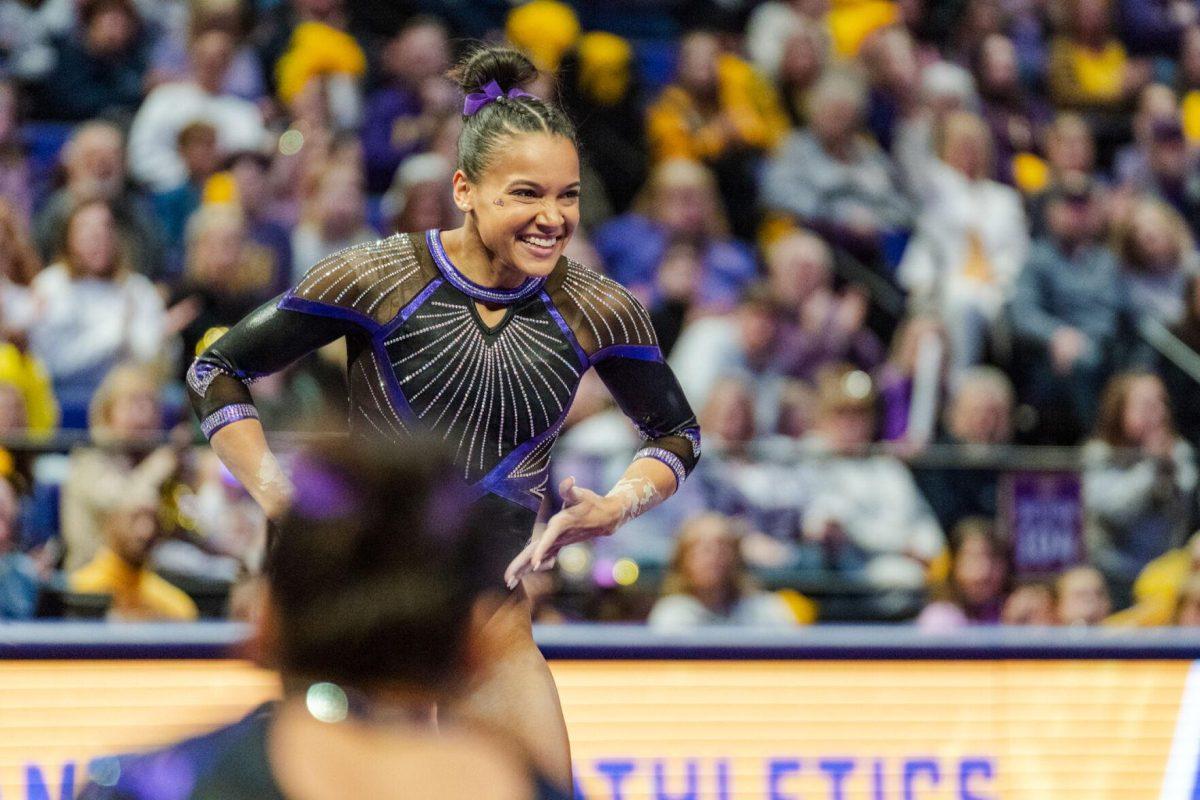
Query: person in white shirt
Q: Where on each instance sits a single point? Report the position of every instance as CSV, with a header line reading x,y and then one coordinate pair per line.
x,y
173,106
92,310
708,583
866,510
971,240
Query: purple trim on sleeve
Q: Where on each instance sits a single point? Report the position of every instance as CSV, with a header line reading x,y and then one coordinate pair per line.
x,y
584,361
667,457
414,304
639,352
225,416
487,294
693,436
290,302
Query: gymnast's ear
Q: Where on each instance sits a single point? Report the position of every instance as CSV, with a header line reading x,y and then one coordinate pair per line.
x,y
464,192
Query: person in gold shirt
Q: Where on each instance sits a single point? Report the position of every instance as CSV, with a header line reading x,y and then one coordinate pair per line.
x,y
721,112
121,568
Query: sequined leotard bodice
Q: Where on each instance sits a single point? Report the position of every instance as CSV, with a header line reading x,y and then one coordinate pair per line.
x,y
422,358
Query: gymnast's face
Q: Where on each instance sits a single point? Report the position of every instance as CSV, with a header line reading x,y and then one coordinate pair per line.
x,y
526,203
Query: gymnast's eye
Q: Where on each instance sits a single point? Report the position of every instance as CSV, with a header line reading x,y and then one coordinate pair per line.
x,y
523,193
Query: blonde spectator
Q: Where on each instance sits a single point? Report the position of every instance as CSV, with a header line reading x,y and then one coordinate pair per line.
x,y
132,530
125,412
707,582
1158,260
1081,597
92,310
680,203
971,240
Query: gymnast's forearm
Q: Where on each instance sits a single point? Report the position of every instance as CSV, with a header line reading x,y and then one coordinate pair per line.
x,y
242,448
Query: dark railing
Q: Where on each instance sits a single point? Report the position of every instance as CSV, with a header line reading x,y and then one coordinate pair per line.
x,y
607,642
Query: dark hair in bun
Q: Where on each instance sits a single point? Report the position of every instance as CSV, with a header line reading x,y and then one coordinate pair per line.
x,y
484,130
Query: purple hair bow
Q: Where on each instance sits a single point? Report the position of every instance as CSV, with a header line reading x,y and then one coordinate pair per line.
x,y
490,93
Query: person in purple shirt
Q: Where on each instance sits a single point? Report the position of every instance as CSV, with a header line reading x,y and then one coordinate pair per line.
x,y
402,115
678,203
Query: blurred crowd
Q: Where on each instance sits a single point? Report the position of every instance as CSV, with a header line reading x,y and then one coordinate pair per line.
x,y
884,244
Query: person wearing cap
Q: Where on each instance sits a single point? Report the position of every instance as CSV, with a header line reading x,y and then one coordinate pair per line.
x,y
866,512
122,567
1069,311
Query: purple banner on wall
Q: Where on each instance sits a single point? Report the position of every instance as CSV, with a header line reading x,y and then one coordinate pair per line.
x,y
1043,512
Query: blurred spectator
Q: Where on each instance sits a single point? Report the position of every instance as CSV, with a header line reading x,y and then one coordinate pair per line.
x,y
1089,68
721,112
1016,116
1158,260
805,56
946,89
771,27
1154,27
124,416
171,107
827,325
94,165
1139,481
1157,589
420,198
132,530
255,193
975,591
678,202
833,176
1156,124
401,115
708,583
980,416
971,240
743,344
675,292
912,381
1187,82
19,263
1172,173
16,177
226,276
600,88
20,573
276,24
323,65
1187,608
98,70
27,31
866,512
1030,604
1081,598
1069,311
1070,158
92,311
197,144
175,23
890,58
336,218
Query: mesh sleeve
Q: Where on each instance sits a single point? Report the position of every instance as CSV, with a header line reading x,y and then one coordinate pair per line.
x,y
649,394
266,341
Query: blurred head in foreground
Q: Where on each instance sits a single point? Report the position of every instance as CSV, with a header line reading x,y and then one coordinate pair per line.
x,y
1082,597
377,572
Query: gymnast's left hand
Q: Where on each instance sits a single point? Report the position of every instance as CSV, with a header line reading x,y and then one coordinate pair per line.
x,y
584,515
